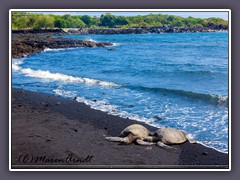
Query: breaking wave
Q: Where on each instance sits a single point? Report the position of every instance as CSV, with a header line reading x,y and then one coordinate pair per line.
x,y
47,75
217,99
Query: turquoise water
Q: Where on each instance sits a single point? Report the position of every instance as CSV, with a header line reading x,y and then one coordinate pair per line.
x,y
181,78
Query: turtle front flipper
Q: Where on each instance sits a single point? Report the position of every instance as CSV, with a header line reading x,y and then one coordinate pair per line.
x,y
144,143
160,144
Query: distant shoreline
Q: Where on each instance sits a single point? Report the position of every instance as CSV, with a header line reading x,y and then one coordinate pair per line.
x,y
133,30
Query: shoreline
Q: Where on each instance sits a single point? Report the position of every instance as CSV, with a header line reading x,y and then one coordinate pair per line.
x,y
137,120
129,30
56,127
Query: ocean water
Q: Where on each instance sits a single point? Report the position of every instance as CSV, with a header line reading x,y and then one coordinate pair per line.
x,y
181,79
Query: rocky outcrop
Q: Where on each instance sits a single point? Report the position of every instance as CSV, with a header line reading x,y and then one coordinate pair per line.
x,y
25,44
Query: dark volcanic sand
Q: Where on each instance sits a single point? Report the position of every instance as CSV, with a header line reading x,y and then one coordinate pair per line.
x,y
46,129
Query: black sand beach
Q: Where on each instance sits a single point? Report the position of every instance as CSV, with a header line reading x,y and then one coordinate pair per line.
x,y
48,131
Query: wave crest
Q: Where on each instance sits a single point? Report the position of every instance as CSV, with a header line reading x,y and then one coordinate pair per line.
x,y
64,78
216,99
47,75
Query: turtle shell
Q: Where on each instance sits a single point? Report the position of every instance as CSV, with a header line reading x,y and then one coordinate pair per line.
x,y
135,129
171,136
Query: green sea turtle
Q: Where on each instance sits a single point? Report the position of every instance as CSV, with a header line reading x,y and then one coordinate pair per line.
x,y
168,136
133,133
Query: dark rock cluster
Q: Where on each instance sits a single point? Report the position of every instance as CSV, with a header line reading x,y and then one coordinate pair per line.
x,y
26,44
210,27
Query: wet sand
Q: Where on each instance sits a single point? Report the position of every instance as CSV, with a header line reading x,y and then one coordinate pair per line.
x,y
49,131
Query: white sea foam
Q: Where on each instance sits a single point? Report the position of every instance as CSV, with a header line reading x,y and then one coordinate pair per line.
x,y
18,61
105,106
116,44
113,44
59,49
99,105
70,94
222,100
47,75
16,64
63,77
209,144
15,67
48,49
92,40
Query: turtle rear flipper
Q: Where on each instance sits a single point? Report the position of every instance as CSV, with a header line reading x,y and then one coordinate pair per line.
x,y
160,144
144,143
117,139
